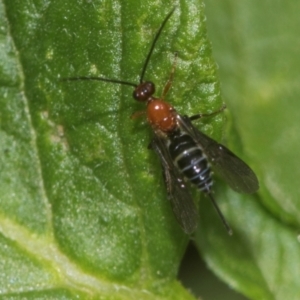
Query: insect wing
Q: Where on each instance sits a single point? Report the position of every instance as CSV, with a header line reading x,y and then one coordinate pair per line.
x,y
182,202
232,169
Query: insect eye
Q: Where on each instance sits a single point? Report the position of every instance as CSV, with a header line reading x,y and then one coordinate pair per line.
x,y
144,91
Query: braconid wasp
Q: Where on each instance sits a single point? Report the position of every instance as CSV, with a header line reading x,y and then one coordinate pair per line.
x,y
186,154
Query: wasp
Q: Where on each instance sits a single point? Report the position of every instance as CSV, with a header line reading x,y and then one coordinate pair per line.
x,y
186,154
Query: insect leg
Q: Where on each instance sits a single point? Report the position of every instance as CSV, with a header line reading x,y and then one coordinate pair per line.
x,y
171,77
199,116
138,114
225,223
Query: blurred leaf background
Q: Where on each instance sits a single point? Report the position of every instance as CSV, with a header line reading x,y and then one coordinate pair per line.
x,y
256,45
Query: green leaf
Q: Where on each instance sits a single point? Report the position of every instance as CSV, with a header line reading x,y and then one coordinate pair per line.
x,y
255,44
83,208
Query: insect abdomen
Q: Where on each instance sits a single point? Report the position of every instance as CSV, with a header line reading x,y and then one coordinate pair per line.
x,y
190,160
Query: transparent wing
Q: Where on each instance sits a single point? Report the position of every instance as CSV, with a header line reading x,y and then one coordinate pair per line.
x,y
182,202
232,169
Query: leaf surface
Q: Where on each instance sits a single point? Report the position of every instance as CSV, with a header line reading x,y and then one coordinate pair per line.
x,y
255,46
83,208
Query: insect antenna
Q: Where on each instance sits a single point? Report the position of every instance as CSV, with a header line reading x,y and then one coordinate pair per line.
x,y
228,228
154,42
80,78
99,79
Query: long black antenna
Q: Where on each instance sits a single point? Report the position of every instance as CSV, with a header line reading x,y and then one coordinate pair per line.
x,y
99,79
144,67
154,42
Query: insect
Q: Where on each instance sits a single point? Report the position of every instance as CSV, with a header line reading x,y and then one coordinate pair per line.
x,y
186,154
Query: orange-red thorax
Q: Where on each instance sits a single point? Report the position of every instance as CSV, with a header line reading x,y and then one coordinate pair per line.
x,y
161,115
